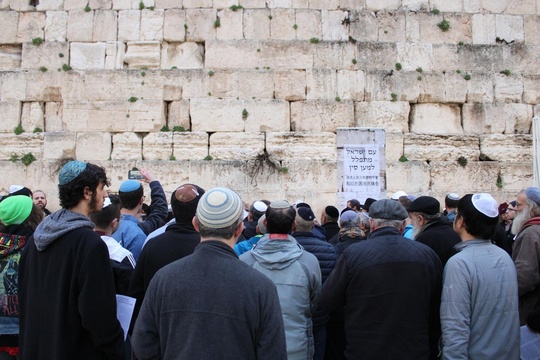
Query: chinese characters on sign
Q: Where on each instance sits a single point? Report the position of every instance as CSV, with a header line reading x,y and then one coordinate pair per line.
x,y
361,170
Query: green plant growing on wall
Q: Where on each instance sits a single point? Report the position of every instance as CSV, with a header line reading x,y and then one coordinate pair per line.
x,y
18,130
338,99
467,77
87,8
461,43
185,27
399,66
151,8
245,114
419,78
419,70
506,72
394,96
165,128
354,61
403,158
143,73
499,182
217,23
435,11
27,159
172,157
208,158
270,17
283,169
314,40
141,5
133,99
295,27
38,130
444,25
61,55
66,67
458,71
462,161
43,69
211,73
37,41
236,7
14,158
178,128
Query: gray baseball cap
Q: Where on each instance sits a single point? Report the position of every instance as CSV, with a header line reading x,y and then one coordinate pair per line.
x,y
387,209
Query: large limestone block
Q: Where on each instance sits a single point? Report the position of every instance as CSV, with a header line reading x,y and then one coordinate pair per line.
x,y
53,117
143,54
483,29
531,89
31,26
168,4
480,89
32,116
476,176
187,55
509,28
335,55
321,115
522,7
152,25
10,114
114,55
10,57
376,56
480,58
394,146
520,59
282,24
311,181
508,88
460,28
45,55
456,87
445,57
498,118
413,56
392,116
447,6
21,5
324,4
309,24
173,25
217,115
433,88
9,21
516,177
46,86
231,27
392,27
194,84
59,145
56,26
531,29
126,146
243,54
272,4
267,115
74,4
290,85
236,146
436,119
243,84
190,145
256,24
355,4
21,145
301,145
496,147
93,146
197,4
362,25
413,177
334,26
85,56
158,146
378,5
80,25
200,24
321,84
494,6
129,23
254,4
178,114
351,84
440,147
105,25
13,86
380,85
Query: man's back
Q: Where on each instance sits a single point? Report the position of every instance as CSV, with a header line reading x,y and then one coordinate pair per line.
x,y
230,310
68,306
441,238
390,288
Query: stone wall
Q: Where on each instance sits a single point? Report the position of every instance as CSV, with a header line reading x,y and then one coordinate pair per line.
x,y
260,86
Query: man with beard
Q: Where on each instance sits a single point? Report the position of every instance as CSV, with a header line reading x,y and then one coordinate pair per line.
x,y
526,252
40,200
66,285
431,229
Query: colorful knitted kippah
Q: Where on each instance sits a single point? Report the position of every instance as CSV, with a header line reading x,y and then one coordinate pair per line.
x,y
70,171
219,208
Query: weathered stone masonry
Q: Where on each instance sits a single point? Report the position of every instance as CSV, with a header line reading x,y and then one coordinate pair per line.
x,y
261,86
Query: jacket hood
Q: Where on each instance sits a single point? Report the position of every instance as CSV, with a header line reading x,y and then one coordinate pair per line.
x,y
58,224
276,254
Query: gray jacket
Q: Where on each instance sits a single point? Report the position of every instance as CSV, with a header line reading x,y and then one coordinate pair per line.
x,y
297,276
479,306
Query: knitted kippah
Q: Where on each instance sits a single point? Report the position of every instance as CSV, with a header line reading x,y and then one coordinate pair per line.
x,y
129,185
70,171
280,204
15,209
219,208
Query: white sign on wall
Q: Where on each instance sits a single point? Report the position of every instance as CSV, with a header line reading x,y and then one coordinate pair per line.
x,y
361,170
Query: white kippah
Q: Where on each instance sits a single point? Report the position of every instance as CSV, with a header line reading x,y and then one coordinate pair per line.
x,y
486,204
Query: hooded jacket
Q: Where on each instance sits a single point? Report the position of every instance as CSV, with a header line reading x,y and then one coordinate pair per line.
x,y
297,276
66,293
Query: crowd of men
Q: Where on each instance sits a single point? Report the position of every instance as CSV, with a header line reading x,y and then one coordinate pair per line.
x,y
398,278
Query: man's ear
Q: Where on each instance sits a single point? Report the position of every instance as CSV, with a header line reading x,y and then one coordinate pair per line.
x,y
195,223
239,229
87,192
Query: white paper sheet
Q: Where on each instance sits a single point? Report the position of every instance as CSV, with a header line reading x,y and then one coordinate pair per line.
x,y
124,311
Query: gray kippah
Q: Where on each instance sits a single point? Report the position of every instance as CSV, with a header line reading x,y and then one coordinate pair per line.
x,y
533,193
219,208
70,171
280,204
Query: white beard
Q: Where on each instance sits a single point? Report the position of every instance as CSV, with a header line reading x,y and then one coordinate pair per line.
x,y
520,219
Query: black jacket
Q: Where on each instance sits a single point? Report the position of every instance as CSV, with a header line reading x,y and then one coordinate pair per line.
x,y
332,228
441,237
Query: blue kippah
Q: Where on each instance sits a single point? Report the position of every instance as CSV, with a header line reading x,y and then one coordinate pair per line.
x,y
129,185
70,171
